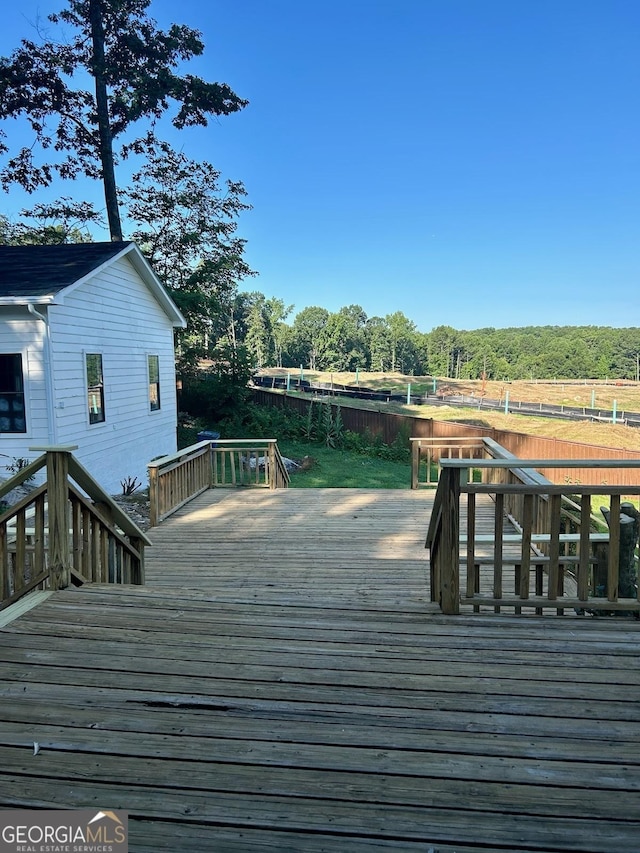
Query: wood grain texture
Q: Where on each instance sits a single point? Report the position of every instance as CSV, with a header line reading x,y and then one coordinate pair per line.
x,y
284,683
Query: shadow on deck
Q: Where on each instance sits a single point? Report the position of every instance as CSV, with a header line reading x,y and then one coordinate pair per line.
x,y
283,683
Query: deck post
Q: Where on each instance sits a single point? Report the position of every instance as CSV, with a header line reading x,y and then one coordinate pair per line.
x,y
415,463
154,496
450,542
272,465
60,558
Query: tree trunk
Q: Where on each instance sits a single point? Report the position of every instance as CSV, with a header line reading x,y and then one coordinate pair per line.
x,y
104,125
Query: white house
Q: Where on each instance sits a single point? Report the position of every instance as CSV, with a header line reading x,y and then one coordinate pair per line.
x,y
86,357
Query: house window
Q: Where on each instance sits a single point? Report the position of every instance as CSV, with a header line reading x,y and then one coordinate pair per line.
x,y
154,382
95,388
12,414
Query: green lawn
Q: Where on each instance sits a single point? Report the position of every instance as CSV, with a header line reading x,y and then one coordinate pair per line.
x,y
342,469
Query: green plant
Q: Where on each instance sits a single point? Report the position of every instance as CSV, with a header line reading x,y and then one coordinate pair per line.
x,y
308,430
129,485
329,428
18,464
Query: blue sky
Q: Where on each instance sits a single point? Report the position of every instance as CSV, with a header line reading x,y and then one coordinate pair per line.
x,y
468,162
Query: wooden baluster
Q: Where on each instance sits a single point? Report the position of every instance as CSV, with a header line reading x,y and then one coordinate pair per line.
x,y
497,548
76,516
434,579
471,545
104,555
585,548
522,588
95,569
555,506
137,573
21,556
86,543
539,585
476,585
5,580
39,544
614,549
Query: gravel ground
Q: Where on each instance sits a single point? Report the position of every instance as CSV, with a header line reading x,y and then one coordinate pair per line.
x,y
136,506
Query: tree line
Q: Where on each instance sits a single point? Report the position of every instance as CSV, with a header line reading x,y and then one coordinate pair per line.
x,y
348,340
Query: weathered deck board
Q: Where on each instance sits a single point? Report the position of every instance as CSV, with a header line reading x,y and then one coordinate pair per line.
x,y
258,700
344,547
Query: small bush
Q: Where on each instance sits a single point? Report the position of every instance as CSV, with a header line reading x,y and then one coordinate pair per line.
x,y
18,464
129,485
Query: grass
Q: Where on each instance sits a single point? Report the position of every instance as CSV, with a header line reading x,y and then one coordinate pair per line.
x,y
343,470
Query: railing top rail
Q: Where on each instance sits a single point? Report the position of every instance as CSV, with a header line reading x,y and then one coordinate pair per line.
x,y
202,446
497,450
449,439
251,441
546,489
23,474
541,463
192,450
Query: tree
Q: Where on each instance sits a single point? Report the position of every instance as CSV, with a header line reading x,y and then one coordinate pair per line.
x,y
342,341
133,65
402,337
276,313
378,344
308,328
257,336
64,222
185,223
441,350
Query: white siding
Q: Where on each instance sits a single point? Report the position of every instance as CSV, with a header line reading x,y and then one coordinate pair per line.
x,y
114,314
22,333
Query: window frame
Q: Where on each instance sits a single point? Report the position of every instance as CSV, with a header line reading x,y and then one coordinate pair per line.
x,y
151,398
89,389
23,392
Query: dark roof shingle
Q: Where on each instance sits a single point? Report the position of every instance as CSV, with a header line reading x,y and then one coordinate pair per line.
x,y
37,271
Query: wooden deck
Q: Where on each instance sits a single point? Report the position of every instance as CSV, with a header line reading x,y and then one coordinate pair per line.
x,y
297,692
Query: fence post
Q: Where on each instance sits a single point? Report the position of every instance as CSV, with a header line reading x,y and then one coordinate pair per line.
x,y
450,542
58,516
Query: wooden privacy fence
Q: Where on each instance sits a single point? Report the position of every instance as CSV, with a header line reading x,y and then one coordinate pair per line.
x,y
388,426
66,531
221,463
545,567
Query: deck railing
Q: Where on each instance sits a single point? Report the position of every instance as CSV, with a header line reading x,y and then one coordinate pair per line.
x,y
222,463
66,531
429,452
546,566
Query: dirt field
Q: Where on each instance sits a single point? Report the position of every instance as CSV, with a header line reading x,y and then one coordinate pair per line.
x,y
626,394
